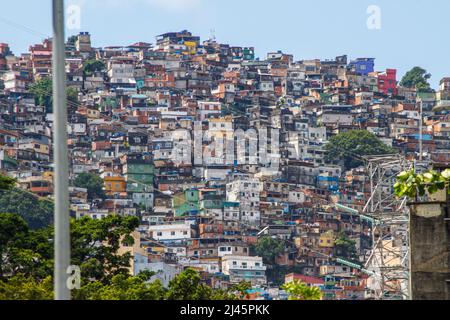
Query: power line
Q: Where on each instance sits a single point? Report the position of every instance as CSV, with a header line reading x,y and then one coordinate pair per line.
x,y
23,28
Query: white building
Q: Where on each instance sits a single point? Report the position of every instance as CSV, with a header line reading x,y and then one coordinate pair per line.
x,y
207,109
170,232
246,191
244,268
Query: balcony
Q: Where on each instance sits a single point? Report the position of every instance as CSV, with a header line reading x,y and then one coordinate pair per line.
x,y
251,268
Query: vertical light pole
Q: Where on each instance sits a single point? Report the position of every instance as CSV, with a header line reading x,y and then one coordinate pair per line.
x,y
61,167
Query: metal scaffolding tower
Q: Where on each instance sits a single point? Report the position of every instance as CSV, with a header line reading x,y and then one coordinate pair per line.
x,y
388,260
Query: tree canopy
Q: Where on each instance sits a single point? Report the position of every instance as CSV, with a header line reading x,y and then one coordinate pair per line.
x,y
91,66
417,77
6,183
92,182
345,247
348,147
26,265
269,249
300,291
95,245
42,90
23,251
37,212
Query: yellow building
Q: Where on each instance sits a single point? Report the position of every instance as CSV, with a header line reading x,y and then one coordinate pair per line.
x,y
326,239
135,250
191,47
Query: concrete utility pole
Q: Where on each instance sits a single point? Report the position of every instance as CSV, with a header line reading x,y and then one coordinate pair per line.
x,y
61,167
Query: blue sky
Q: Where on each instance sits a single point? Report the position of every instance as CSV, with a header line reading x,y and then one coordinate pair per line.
x,y
412,32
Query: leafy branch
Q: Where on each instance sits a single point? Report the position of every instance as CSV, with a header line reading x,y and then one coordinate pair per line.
x,y
412,184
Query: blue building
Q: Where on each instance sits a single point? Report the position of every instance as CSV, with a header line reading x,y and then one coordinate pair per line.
x,y
363,66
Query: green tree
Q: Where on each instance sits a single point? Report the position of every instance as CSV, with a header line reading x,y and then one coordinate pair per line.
x,y
417,77
241,288
350,146
72,96
27,264
23,251
95,245
269,249
92,182
300,291
38,213
187,286
72,40
42,90
91,66
345,247
122,287
6,183
20,287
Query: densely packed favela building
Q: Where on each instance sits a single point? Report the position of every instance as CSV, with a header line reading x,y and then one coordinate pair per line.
x,y
218,151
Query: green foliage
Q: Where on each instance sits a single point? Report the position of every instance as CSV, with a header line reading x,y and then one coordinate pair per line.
x,y
72,95
91,66
6,183
23,251
411,184
416,78
122,287
241,289
95,245
72,40
300,291
187,286
351,145
345,247
20,287
276,274
269,249
38,213
42,90
27,265
92,182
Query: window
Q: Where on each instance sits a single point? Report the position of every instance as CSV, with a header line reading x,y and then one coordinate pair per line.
x,y
159,233
172,233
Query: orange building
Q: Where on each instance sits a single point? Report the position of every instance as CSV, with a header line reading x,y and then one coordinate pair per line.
x,y
115,184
